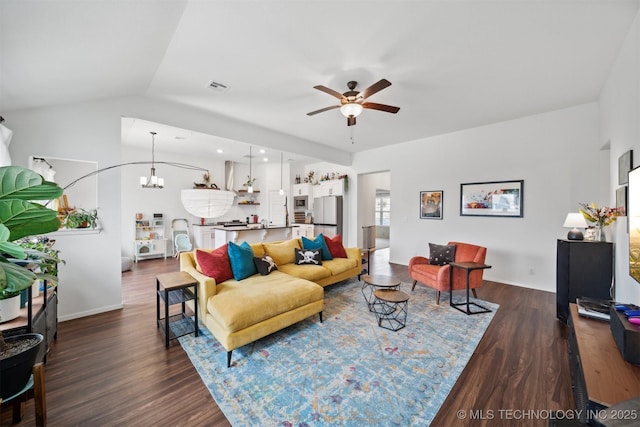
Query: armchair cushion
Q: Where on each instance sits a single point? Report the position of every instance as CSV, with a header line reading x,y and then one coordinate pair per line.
x,y
282,252
423,271
441,254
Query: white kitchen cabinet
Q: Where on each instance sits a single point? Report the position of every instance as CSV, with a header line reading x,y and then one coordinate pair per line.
x,y
334,187
302,189
204,236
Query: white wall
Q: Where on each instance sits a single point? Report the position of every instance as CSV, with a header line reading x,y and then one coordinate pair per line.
x,y
90,281
557,154
620,124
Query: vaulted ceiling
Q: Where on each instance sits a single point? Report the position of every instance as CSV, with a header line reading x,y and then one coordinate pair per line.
x,y
453,64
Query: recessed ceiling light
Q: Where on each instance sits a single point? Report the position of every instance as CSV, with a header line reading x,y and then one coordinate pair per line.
x,y
266,159
262,151
219,151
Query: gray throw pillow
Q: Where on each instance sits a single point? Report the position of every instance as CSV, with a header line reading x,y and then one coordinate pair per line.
x,y
441,254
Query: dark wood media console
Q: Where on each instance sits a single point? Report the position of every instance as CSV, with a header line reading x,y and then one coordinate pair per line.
x,y
600,376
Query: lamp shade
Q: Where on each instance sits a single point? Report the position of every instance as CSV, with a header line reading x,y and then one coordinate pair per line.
x,y
204,203
574,221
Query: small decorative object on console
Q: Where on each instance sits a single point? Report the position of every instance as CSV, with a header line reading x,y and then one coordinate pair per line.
x,y
601,216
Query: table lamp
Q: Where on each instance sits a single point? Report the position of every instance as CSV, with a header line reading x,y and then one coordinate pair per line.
x,y
574,221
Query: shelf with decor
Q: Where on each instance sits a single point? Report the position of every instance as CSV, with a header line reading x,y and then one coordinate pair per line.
x,y
247,199
150,240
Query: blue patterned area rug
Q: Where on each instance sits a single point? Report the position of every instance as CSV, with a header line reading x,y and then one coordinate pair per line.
x,y
346,371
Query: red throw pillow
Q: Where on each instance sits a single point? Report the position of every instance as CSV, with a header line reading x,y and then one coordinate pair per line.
x,y
335,246
215,264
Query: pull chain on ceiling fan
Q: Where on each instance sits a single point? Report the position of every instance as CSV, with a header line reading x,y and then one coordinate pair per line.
x,y
353,102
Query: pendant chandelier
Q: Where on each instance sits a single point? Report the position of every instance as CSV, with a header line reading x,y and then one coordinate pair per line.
x,y
152,181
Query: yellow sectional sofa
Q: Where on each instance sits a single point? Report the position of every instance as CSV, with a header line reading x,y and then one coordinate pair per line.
x,y
240,312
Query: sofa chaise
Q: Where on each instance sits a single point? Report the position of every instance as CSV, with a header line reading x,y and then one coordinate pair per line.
x,y
238,312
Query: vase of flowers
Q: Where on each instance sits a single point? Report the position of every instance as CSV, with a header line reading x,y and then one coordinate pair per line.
x,y
600,216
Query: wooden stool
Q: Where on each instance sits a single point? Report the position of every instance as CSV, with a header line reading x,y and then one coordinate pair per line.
x,y
34,389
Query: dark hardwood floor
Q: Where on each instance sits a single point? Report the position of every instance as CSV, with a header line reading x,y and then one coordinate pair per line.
x,y
112,369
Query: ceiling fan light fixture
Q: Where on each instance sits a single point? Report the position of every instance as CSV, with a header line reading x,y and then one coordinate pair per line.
x,y
351,109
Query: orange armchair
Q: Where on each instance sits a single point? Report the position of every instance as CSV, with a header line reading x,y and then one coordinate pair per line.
x,y
437,276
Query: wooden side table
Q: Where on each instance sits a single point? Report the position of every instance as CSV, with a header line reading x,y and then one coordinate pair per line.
x,y
370,282
176,288
391,308
468,267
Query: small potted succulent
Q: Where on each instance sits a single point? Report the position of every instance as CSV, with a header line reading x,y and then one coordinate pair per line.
x,y
250,181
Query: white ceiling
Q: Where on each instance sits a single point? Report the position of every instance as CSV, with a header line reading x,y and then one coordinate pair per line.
x,y
453,64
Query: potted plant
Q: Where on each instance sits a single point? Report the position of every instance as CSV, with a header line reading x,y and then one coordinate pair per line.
x,y
81,218
250,181
21,218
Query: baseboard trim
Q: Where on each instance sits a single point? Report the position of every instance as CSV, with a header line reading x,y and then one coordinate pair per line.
x,y
89,312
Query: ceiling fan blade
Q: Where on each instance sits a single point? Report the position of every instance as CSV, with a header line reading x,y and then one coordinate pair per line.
x,y
381,107
322,110
329,91
376,87
351,121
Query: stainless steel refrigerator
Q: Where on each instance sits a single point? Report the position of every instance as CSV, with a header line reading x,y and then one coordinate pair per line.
x,y
327,215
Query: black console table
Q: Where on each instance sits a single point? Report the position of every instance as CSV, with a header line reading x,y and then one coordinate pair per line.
x,y
39,316
600,377
584,269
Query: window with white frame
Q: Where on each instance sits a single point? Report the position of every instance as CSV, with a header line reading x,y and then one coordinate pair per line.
x,y
383,207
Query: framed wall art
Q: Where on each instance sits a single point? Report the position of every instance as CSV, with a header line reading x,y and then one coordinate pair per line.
x,y
496,198
625,163
431,204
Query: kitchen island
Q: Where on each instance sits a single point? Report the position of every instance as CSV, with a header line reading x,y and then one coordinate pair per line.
x,y
242,233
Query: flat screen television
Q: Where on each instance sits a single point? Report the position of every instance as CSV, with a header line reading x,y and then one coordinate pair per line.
x,y
633,218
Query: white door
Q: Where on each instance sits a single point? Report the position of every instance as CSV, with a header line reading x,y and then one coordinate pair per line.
x,y
277,209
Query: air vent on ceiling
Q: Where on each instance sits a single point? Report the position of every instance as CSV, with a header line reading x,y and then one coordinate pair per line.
x,y
217,86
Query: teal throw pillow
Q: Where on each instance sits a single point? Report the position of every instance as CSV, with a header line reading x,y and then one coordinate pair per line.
x,y
317,243
241,259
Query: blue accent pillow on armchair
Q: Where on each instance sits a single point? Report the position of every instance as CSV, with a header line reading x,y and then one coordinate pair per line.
x,y
241,259
317,243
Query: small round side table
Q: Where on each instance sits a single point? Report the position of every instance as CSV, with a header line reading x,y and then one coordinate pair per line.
x,y
391,307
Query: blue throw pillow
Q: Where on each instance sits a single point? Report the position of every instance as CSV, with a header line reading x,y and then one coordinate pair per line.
x,y
317,243
241,259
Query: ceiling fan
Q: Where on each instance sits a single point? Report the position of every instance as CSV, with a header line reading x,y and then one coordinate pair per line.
x,y
352,102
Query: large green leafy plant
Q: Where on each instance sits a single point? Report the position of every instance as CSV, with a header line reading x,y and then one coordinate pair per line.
x,y
19,217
